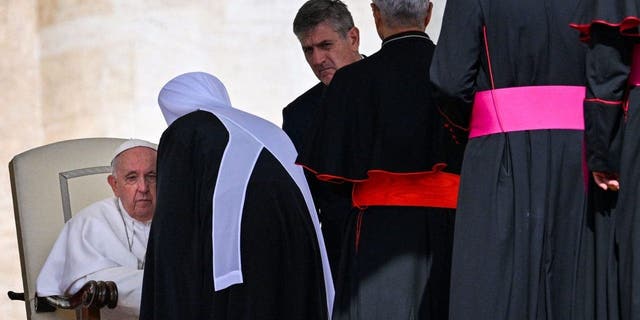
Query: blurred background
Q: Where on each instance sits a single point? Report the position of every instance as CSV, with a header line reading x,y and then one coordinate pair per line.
x,y
91,68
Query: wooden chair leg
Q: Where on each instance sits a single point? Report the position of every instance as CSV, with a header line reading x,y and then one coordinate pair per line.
x,y
91,313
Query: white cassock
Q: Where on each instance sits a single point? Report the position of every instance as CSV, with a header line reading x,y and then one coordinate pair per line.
x,y
101,242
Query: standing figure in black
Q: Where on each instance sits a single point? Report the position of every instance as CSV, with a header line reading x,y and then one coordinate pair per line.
x,y
521,228
612,132
379,131
329,41
237,236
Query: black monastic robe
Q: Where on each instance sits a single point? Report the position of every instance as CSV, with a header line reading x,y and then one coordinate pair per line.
x,y
281,262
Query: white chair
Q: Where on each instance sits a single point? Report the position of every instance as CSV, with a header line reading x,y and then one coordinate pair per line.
x,y
49,184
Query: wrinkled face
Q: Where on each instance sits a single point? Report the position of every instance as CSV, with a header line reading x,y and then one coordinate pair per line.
x,y
134,182
326,51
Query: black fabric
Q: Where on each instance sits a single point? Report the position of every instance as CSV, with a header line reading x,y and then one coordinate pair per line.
x,y
297,115
612,117
608,65
521,229
530,43
628,212
378,114
333,201
281,263
602,220
522,243
457,117
622,15
400,268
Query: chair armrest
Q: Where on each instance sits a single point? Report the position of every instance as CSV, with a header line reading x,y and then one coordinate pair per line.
x,y
93,296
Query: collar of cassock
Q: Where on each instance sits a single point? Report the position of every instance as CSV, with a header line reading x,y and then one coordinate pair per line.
x,y
404,35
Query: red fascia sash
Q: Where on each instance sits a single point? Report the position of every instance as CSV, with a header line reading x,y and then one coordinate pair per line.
x,y
435,188
527,108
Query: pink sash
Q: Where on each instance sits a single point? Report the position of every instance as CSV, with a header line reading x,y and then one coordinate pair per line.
x,y
527,108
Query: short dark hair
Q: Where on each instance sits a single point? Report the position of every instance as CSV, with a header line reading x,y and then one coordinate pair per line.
x,y
314,12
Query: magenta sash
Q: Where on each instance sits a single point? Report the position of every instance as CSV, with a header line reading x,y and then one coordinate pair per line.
x,y
634,74
527,108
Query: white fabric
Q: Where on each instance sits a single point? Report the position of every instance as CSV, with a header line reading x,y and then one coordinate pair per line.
x,y
97,245
248,135
190,92
132,143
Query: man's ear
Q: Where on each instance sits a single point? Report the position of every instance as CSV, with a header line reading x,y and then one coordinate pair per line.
x,y
354,38
114,184
377,19
427,19
376,13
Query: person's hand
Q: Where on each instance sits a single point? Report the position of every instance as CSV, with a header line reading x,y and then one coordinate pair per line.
x,y
607,180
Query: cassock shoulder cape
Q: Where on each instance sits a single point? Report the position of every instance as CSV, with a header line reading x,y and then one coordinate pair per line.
x,y
363,125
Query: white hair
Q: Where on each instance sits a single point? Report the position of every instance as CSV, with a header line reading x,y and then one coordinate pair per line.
x,y
403,13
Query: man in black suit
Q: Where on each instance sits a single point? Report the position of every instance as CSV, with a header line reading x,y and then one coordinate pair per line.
x,y
329,41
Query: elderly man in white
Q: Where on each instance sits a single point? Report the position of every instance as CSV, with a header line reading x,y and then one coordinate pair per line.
x,y
108,239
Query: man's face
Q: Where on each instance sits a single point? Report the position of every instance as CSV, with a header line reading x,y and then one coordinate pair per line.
x,y
134,182
326,51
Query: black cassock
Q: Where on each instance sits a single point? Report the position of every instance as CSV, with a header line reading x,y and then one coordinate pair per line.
x,y
297,115
612,119
522,244
378,114
333,201
281,263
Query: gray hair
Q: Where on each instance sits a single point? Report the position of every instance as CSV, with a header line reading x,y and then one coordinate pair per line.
x,y
403,13
315,12
114,165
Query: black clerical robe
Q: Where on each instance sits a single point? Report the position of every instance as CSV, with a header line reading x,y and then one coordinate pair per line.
x,y
281,262
297,115
521,231
612,120
378,116
333,201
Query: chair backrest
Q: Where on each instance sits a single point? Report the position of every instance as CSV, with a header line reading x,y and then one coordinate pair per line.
x,y
49,184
